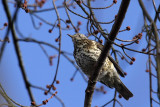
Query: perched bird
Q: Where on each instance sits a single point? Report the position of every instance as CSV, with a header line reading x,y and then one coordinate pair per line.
x,y
86,54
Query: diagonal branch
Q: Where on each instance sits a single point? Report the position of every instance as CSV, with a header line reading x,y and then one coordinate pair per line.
x,y
17,49
114,31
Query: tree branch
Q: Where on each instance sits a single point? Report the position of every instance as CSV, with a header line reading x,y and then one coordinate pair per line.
x,y
17,49
154,30
114,31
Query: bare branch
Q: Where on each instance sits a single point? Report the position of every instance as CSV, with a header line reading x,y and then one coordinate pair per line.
x,y
17,49
114,31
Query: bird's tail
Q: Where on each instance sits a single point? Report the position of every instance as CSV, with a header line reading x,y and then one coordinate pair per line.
x,y
123,90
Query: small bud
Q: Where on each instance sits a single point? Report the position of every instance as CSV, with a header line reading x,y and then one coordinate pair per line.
x,y
40,4
131,63
46,92
147,70
68,26
57,82
143,50
68,21
43,1
104,92
101,41
44,102
125,73
128,28
57,39
79,23
48,86
50,30
33,103
140,36
115,1
133,59
122,57
40,23
56,92
122,44
5,24
54,88
58,25
71,79
120,96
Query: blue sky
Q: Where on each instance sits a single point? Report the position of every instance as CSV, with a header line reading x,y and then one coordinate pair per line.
x,y
40,73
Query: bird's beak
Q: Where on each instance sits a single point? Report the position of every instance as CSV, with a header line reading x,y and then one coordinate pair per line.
x,y
70,35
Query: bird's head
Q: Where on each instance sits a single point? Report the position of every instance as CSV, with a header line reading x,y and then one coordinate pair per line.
x,y
77,37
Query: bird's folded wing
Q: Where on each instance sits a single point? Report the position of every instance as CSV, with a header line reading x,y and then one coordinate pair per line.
x,y
118,68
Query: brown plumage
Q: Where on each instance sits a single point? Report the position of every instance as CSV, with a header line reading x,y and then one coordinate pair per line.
x,y
87,52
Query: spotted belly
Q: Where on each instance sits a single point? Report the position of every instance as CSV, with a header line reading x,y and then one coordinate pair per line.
x,y
85,62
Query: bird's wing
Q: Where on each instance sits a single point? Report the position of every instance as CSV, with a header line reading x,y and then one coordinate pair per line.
x,y
118,68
